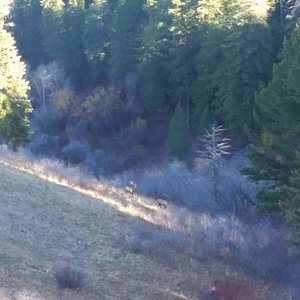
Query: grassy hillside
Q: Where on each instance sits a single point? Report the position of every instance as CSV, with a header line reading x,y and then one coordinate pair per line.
x,y
47,221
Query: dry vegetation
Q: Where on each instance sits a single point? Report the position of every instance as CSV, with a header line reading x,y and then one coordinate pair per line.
x,y
47,220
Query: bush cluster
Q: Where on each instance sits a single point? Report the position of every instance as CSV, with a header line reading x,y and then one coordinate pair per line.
x,y
69,277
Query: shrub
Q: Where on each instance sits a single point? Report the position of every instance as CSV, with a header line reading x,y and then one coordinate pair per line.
x,y
194,188
75,152
112,164
43,144
101,163
137,153
48,120
172,181
137,131
94,163
177,143
76,130
162,243
68,277
261,248
103,111
64,102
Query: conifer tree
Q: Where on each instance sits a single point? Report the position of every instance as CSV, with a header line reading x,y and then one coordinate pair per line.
x,y
248,62
72,52
234,57
275,155
52,27
96,39
177,143
155,55
27,30
291,206
128,20
186,42
276,23
63,25
14,102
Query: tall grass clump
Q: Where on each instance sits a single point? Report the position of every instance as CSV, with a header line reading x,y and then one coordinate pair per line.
x,y
69,277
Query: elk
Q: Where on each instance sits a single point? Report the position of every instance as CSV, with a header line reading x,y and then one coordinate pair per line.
x,y
162,203
131,188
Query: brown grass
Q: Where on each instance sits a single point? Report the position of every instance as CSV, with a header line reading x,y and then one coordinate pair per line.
x,y
47,220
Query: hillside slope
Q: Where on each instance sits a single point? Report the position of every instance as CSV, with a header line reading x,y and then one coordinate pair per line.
x,y
44,225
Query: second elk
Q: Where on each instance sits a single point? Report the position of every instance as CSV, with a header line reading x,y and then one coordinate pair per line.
x,y
131,188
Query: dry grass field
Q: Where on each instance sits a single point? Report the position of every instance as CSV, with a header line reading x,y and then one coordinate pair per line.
x,y
46,221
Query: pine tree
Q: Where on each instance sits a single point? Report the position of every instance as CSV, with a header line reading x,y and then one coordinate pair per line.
x,y
14,102
63,26
128,20
215,24
234,57
209,59
291,206
72,52
275,155
52,27
155,56
186,42
276,23
96,39
248,62
27,30
177,143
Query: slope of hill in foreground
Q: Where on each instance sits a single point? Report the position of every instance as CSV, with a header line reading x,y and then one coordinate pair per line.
x,y
44,225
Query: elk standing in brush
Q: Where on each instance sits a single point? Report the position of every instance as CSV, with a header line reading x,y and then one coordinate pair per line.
x,y
131,189
162,203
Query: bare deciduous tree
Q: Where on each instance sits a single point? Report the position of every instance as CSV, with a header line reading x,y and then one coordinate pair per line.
x,y
41,84
216,147
46,80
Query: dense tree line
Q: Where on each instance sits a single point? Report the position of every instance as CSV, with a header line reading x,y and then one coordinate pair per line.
x,y
123,76
208,57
